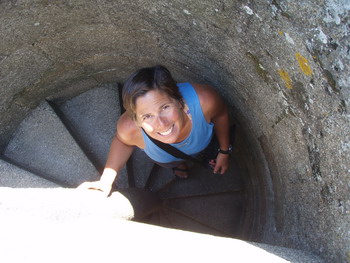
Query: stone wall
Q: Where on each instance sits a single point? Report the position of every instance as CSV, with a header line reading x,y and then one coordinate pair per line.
x,y
282,66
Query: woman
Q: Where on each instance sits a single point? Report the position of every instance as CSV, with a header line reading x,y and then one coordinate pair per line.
x,y
184,115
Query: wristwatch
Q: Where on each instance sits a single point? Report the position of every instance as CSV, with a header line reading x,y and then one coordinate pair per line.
x,y
226,152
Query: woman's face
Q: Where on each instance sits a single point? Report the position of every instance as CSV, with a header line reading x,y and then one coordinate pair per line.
x,y
160,116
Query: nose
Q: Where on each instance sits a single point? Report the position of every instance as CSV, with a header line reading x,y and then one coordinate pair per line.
x,y
161,122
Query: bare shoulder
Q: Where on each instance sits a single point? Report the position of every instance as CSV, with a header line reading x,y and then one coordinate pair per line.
x,y
127,131
211,102
203,89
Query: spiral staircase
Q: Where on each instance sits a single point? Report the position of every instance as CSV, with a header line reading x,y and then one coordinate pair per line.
x,y
65,144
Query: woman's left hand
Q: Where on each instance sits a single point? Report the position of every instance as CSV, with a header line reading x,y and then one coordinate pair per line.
x,y
221,164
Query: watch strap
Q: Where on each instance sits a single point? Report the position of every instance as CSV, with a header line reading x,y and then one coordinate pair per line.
x,y
226,152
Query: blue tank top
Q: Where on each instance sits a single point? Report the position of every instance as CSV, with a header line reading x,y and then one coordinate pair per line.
x,y
199,137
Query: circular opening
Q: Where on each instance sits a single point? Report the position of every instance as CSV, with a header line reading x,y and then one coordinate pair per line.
x,y
281,65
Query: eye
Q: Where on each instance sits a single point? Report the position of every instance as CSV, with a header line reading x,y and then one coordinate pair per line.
x,y
165,107
146,117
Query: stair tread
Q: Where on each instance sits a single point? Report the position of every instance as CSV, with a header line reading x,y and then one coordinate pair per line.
x,y
202,181
164,220
43,143
142,166
15,177
221,211
172,219
162,178
62,204
154,219
93,116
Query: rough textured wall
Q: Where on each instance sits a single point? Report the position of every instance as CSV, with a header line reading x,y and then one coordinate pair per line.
x,y
283,66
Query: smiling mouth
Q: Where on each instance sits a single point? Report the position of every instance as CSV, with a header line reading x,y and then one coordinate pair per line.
x,y
167,132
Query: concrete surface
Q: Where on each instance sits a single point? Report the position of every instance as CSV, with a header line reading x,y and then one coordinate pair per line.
x,y
142,166
202,181
172,219
282,66
59,157
93,116
67,225
14,177
90,241
222,212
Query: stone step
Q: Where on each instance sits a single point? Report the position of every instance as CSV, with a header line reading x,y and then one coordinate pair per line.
x,y
63,204
159,178
153,219
222,212
90,240
141,166
43,144
159,219
15,177
202,181
92,118
172,219
164,220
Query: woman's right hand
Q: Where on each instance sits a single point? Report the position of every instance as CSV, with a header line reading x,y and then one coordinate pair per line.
x,y
102,186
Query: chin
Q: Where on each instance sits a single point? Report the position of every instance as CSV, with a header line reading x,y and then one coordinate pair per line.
x,y
171,138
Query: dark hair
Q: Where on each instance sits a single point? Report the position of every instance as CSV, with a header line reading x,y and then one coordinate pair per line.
x,y
145,80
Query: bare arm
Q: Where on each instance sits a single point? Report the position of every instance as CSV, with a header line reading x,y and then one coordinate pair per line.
x,y
221,126
120,151
215,111
221,123
119,154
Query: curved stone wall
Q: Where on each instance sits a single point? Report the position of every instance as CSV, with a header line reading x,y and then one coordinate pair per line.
x,y
282,66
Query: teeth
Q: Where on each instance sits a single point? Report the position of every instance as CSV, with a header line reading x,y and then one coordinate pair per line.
x,y
167,132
